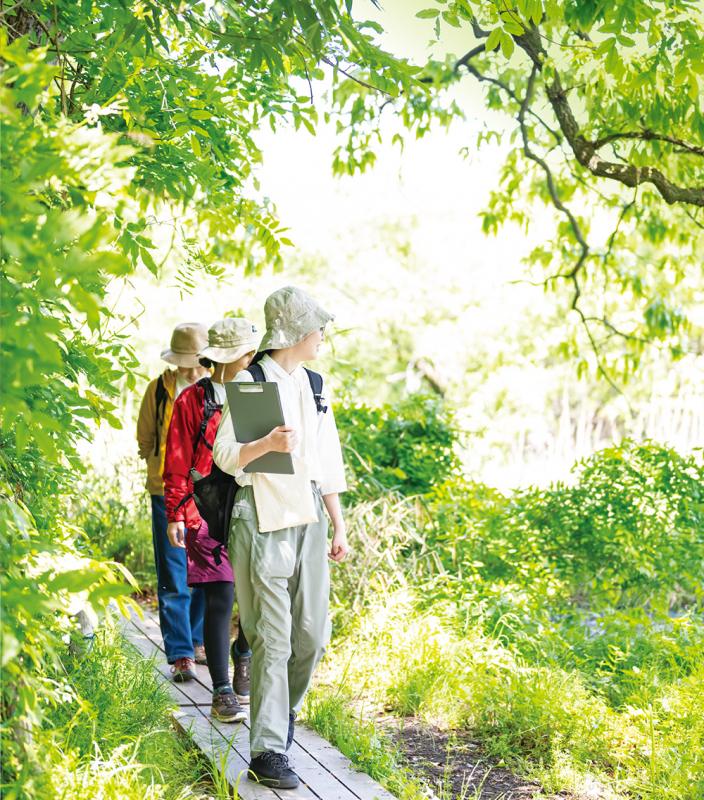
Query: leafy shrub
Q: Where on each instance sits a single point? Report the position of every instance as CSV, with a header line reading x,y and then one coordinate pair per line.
x,y
408,447
626,654
562,626
116,517
630,531
47,578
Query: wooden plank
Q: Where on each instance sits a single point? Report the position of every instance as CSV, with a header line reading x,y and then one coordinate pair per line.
x,y
150,627
188,693
325,784
193,722
321,782
241,745
325,773
149,624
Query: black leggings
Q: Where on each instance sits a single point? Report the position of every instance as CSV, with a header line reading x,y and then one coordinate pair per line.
x,y
219,599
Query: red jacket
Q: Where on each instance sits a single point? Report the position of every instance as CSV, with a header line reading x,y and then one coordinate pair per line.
x,y
185,448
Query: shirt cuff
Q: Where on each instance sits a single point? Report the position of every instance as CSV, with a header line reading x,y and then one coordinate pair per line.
x,y
332,488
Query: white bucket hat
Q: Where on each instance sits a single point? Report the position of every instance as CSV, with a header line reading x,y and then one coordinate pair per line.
x,y
186,342
290,315
229,339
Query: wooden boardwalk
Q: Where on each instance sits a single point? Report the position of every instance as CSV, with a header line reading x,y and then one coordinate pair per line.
x,y
324,772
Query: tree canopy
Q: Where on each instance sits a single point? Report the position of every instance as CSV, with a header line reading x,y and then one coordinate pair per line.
x,y
605,123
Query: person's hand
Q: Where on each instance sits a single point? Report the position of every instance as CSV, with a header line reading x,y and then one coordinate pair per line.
x,y
338,548
283,439
176,533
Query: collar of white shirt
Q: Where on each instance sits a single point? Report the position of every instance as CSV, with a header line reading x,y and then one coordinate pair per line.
x,y
298,375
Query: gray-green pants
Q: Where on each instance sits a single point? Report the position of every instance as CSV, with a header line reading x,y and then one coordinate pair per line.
x,y
283,589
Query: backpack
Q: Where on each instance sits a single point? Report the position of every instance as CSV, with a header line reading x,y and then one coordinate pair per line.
x,y
161,398
214,494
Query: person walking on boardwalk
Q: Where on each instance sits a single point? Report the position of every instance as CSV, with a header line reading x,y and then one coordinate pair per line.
x,y
278,534
231,344
180,610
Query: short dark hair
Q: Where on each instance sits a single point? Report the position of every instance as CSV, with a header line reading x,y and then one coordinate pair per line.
x,y
206,362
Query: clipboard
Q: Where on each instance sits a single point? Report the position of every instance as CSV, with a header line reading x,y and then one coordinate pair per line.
x,y
255,408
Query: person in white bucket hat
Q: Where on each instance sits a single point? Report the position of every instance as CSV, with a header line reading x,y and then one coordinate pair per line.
x,y
180,610
231,344
278,533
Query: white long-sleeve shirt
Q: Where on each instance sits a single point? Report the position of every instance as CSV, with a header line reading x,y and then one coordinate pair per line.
x,y
287,500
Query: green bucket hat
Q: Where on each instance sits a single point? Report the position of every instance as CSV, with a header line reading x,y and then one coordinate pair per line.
x,y
290,315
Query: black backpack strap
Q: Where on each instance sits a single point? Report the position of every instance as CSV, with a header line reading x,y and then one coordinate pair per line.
x,y
184,500
161,397
316,384
257,373
210,406
315,380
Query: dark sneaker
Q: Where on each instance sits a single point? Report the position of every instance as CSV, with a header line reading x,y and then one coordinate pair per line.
x,y
199,653
226,708
291,727
272,769
240,679
184,669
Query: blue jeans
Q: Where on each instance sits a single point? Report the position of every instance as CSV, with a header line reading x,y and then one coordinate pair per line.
x,y
180,609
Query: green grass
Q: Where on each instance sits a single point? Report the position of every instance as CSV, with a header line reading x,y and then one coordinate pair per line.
x,y
111,736
561,628
330,714
545,722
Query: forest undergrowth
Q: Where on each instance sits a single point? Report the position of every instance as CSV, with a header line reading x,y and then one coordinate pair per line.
x,y
559,627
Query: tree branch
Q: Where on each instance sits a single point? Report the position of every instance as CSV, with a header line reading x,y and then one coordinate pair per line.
x,y
573,274
349,75
612,238
552,189
586,151
480,76
647,135
475,51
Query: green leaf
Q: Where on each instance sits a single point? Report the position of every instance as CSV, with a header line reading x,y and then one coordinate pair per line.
x,y
451,19
507,45
148,261
494,39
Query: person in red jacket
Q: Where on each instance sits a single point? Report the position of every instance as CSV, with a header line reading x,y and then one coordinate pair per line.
x,y
232,343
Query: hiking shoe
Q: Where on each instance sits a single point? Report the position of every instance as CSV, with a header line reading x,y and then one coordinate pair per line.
x,y
226,708
291,727
199,652
184,669
272,769
240,679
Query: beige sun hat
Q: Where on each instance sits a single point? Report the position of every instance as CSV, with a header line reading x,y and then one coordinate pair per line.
x,y
229,339
187,340
290,315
